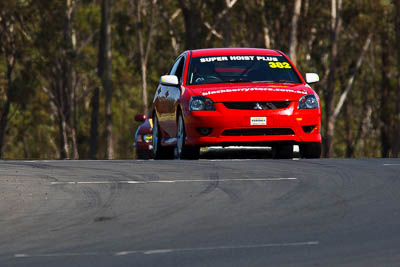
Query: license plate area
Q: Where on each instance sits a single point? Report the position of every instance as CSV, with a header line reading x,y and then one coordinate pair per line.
x,y
257,121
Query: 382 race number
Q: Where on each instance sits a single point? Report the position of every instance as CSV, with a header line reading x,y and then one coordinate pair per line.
x,y
279,65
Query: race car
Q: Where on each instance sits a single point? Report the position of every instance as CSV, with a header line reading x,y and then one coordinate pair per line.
x,y
143,138
235,97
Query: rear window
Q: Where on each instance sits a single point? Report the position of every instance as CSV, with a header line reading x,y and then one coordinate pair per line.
x,y
241,68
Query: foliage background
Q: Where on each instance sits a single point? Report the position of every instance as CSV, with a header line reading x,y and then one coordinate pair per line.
x,y
38,47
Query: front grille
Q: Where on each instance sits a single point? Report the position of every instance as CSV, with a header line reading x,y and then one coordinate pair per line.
x,y
257,105
258,132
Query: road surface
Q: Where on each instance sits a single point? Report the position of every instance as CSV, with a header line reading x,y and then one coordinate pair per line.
x,y
325,212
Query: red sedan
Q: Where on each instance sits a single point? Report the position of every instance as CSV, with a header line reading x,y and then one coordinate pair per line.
x,y
235,96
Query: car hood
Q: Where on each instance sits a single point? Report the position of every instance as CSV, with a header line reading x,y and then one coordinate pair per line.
x,y
146,127
252,92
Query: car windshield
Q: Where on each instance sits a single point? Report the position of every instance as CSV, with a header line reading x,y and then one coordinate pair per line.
x,y
241,68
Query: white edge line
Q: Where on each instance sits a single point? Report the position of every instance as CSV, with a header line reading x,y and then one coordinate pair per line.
x,y
21,256
56,255
160,251
174,181
124,253
165,251
391,164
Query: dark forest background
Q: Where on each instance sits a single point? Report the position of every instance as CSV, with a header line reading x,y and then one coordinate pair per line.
x,y
73,73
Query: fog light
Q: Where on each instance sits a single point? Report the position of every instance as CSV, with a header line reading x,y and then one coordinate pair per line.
x,y
204,131
308,128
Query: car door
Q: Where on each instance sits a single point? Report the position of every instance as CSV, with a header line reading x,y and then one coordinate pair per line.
x,y
168,97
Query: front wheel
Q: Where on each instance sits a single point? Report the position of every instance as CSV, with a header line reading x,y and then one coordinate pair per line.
x,y
159,151
310,150
282,151
182,151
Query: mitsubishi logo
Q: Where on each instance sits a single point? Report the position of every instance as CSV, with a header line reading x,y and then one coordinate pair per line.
x,y
258,106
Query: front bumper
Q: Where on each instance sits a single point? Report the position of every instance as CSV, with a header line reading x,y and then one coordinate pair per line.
x,y
143,150
278,123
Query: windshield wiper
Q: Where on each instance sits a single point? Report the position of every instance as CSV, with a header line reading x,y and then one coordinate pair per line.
x,y
284,81
238,81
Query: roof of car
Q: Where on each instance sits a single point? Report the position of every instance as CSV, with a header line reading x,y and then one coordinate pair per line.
x,y
234,51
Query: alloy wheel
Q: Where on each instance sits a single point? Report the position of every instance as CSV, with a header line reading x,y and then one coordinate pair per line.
x,y
155,136
180,136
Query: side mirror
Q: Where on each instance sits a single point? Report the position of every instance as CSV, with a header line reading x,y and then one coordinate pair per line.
x,y
169,80
312,78
140,117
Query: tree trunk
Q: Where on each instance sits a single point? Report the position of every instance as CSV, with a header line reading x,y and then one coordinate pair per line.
x,y
384,113
3,125
65,151
306,7
396,149
71,78
348,130
293,31
329,92
10,51
145,48
144,88
190,25
227,24
65,88
363,120
105,71
190,11
143,69
6,107
73,124
94,125
267,36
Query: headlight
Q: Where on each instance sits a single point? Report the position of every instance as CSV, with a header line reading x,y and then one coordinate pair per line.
x,y
308,102
148,138
201,103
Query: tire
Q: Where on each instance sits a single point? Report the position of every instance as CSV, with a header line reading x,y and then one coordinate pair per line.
x,y
159,151
142,155
310,150
282,151
182,151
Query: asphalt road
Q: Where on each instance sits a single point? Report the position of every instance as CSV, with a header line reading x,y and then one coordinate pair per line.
x,y
328,212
